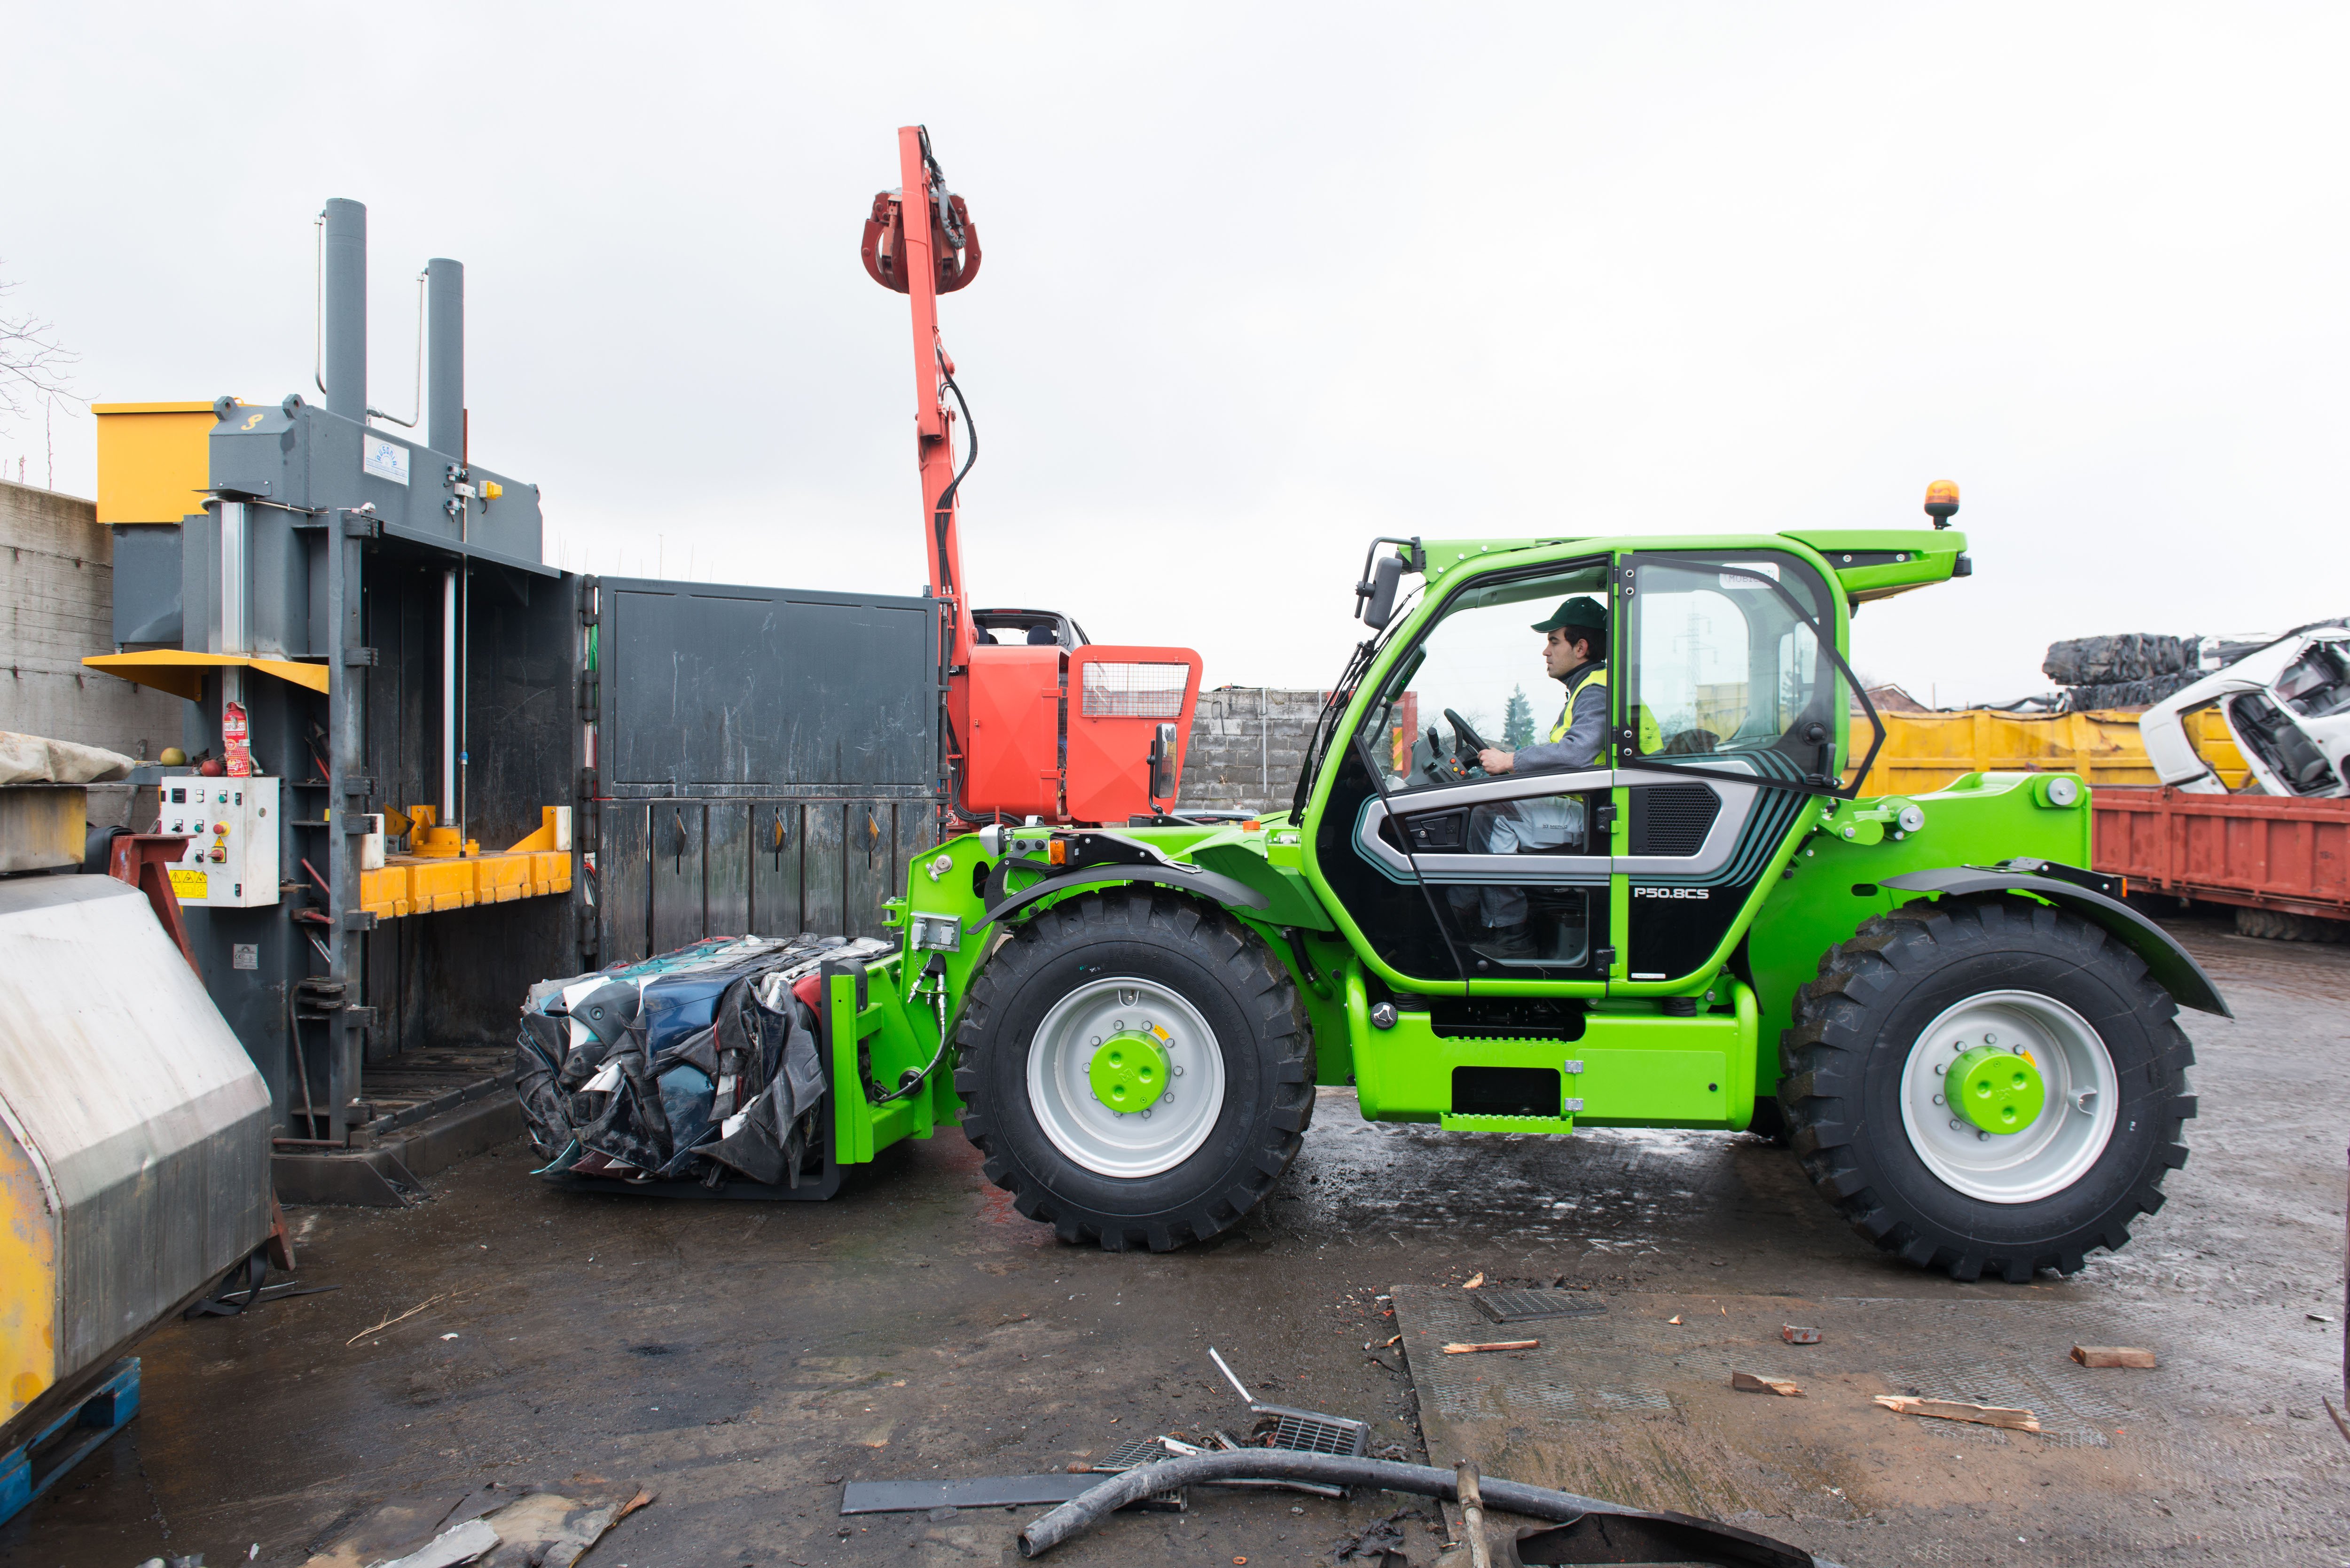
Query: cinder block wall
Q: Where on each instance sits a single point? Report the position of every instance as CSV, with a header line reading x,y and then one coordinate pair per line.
x,y
1247,745
57,604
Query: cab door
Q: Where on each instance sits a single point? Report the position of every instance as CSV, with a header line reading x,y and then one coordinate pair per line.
x,y
1450,874
1734,710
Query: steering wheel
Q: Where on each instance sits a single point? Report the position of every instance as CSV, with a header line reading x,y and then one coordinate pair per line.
x,y
1467,745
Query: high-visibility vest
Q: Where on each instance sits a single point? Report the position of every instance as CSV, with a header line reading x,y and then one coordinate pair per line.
x,y
1650,738
1598,677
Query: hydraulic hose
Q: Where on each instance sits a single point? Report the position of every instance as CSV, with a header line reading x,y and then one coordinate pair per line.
x,y
1083,1512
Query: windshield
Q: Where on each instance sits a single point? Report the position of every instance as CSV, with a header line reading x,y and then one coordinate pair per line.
x,y
1317,748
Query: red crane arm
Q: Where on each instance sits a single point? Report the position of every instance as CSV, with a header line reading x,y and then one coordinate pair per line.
x,y
936,253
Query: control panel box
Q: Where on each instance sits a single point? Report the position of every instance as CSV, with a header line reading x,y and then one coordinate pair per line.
x,y
233,831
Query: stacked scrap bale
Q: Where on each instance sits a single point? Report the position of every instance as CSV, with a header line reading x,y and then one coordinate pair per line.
x,y
2127,670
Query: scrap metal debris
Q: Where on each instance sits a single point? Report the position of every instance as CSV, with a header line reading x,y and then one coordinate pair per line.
x,y
1958,1410
1796,1333
2112,1356
1635,1537
1755,1382
494,1526
1697,1540
1381,1543
701,1064
1514,1306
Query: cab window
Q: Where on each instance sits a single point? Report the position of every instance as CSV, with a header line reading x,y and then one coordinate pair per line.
x,y
1722,662
1477,675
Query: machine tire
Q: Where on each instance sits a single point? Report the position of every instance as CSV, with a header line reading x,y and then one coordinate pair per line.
x,y
2283,926
1237,988
1848,1057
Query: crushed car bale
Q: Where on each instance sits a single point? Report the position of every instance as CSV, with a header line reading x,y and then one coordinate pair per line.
x,y
701,1064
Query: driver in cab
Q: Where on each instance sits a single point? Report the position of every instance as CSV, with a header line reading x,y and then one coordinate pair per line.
x,y
1574,654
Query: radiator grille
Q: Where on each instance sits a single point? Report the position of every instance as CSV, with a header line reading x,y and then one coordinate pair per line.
x,y
1135,691
1672,819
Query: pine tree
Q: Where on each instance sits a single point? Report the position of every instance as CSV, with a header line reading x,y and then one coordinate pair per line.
x,y
1517,720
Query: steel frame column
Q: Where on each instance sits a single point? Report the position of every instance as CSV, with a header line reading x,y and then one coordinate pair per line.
x,y
351,792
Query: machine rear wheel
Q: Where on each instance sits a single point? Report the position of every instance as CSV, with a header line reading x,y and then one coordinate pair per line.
x,y
1986,1083
1137,1069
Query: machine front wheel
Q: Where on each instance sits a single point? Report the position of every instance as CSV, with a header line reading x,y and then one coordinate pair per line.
x,y
1986,1083
1137,1069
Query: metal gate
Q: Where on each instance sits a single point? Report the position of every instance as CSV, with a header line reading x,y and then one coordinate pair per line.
x,y
764,760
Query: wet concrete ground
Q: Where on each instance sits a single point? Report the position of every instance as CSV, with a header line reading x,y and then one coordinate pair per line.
x,y
741,1361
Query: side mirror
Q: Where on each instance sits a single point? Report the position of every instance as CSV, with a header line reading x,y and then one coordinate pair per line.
x,y
1376,599
1162,765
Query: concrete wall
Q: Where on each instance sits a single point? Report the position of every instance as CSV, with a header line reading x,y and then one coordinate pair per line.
x,y
57,604
1247,745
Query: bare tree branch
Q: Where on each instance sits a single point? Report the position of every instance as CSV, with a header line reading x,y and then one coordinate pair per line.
x,y
33,365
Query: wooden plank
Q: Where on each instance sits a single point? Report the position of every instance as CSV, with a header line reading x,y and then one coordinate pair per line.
x,y
1755,1382
2112,1356
1957,1410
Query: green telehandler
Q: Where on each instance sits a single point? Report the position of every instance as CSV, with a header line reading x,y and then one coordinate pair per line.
x,y
1967,1041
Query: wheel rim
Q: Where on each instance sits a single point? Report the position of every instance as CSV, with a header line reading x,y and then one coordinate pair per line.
x,y
1062,1083
2058,1146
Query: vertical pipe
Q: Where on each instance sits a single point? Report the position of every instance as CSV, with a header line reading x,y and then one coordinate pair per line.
x,y
444,289
449,697
344,327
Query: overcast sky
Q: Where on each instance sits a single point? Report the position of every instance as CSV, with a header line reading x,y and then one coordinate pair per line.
x,y
1262,282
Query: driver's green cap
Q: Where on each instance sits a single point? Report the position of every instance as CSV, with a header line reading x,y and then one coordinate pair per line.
x,y
1579,613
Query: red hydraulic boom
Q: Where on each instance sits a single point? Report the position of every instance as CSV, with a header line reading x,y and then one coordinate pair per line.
x,y
1040,721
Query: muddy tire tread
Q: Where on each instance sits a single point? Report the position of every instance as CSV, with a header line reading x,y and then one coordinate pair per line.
x,y
1268,996
1839,1016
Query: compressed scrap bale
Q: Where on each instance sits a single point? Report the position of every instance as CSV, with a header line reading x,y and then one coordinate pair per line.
x,y
701,1064
1755,1382
1958,1410
2112,1356
2111,694
2128,656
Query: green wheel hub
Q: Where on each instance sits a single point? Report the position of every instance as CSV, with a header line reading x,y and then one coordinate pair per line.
x,y
1128,1072
1998,1090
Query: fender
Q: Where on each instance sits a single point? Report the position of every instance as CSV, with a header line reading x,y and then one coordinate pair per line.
x,y
2169,962
1227,891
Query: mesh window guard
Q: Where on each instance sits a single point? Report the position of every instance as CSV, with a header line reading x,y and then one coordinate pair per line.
x,y
1135,691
